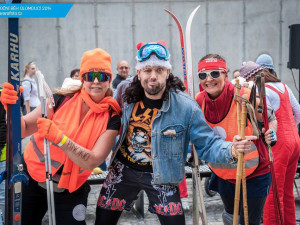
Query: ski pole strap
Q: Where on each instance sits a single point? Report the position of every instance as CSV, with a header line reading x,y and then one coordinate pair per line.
x,y
3,176
63,141
19,176
3,154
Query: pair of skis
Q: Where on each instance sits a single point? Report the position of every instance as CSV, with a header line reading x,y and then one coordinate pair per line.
x,y
14,166
198,199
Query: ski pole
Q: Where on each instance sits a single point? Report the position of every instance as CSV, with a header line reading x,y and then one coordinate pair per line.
x,y
241,164
47,154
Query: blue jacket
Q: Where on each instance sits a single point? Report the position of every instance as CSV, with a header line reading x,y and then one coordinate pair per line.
x,y
179,121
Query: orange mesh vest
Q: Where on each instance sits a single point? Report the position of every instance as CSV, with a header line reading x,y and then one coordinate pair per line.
x,y
227,129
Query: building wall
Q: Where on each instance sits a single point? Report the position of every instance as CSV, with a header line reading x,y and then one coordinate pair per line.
x,y
239,30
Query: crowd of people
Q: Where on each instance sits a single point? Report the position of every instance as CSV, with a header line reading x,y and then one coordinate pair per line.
x,y
148,121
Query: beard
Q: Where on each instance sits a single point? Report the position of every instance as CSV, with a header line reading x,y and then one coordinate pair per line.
x,y
154,90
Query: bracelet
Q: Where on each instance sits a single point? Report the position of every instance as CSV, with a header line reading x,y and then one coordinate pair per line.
x,y
233,153
63,141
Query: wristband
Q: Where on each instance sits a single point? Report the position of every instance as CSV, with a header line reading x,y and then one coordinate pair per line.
x,y
273,138
233,152
233,158
63,141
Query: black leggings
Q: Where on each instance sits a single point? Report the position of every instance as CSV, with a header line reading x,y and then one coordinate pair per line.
x,y
110,217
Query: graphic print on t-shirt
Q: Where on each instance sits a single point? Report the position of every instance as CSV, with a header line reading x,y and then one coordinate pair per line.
x,y
136,148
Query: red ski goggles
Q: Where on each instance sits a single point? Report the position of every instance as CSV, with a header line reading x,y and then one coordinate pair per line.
x,y
147,50
91,76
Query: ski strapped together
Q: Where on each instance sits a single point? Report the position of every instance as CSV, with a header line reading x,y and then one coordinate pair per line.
x,y
14,167
189,84
182,49
45,91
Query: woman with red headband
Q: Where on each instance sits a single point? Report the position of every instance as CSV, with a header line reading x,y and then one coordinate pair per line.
x,y
82,131
220,111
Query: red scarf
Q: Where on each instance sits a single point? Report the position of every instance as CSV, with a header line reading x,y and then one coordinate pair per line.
x,y
216,109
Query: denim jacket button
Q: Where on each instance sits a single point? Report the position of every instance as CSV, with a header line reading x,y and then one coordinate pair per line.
x,y
174,138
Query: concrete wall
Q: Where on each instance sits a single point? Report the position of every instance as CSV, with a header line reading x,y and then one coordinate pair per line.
x,y
239,30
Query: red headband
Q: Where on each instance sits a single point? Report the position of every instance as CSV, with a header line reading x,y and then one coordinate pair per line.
x,y
211,64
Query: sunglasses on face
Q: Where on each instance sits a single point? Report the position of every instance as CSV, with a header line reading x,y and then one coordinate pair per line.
x,y
91,76
214,74
147,50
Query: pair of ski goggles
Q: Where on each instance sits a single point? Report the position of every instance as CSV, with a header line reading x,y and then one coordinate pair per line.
x,y
91,76
147,50
214,74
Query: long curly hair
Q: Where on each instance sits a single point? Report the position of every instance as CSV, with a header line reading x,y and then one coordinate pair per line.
x,y
135,92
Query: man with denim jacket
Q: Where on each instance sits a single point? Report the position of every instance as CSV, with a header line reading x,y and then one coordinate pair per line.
x,y
159,120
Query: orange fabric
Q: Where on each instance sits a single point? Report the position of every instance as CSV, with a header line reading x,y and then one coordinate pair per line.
x,y
48,129
84,133
227,130
95,60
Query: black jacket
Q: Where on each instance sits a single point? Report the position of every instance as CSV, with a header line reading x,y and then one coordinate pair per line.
x,y
117,80
2,126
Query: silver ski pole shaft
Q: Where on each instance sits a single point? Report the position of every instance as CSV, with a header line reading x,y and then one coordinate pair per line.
x,y
47,155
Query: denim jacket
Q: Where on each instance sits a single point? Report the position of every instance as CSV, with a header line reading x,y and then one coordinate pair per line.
x,y
179,121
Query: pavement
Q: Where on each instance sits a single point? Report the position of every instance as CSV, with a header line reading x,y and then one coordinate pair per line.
x,y
213,205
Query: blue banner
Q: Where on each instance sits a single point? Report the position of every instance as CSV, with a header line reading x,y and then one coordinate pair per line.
x,y
54,10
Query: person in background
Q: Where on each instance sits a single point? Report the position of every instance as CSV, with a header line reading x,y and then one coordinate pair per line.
x,y
235,74
75,74
159,121
286,151
73,82
81,130
123,69
30,93
219,107
266,62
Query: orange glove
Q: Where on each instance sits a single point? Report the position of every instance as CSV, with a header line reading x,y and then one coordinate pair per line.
x,y
48,129
9,95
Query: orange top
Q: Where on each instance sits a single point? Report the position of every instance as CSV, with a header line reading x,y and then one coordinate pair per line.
x,y
85,133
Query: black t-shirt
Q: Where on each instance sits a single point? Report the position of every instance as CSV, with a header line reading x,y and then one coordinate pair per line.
x,y
135,150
